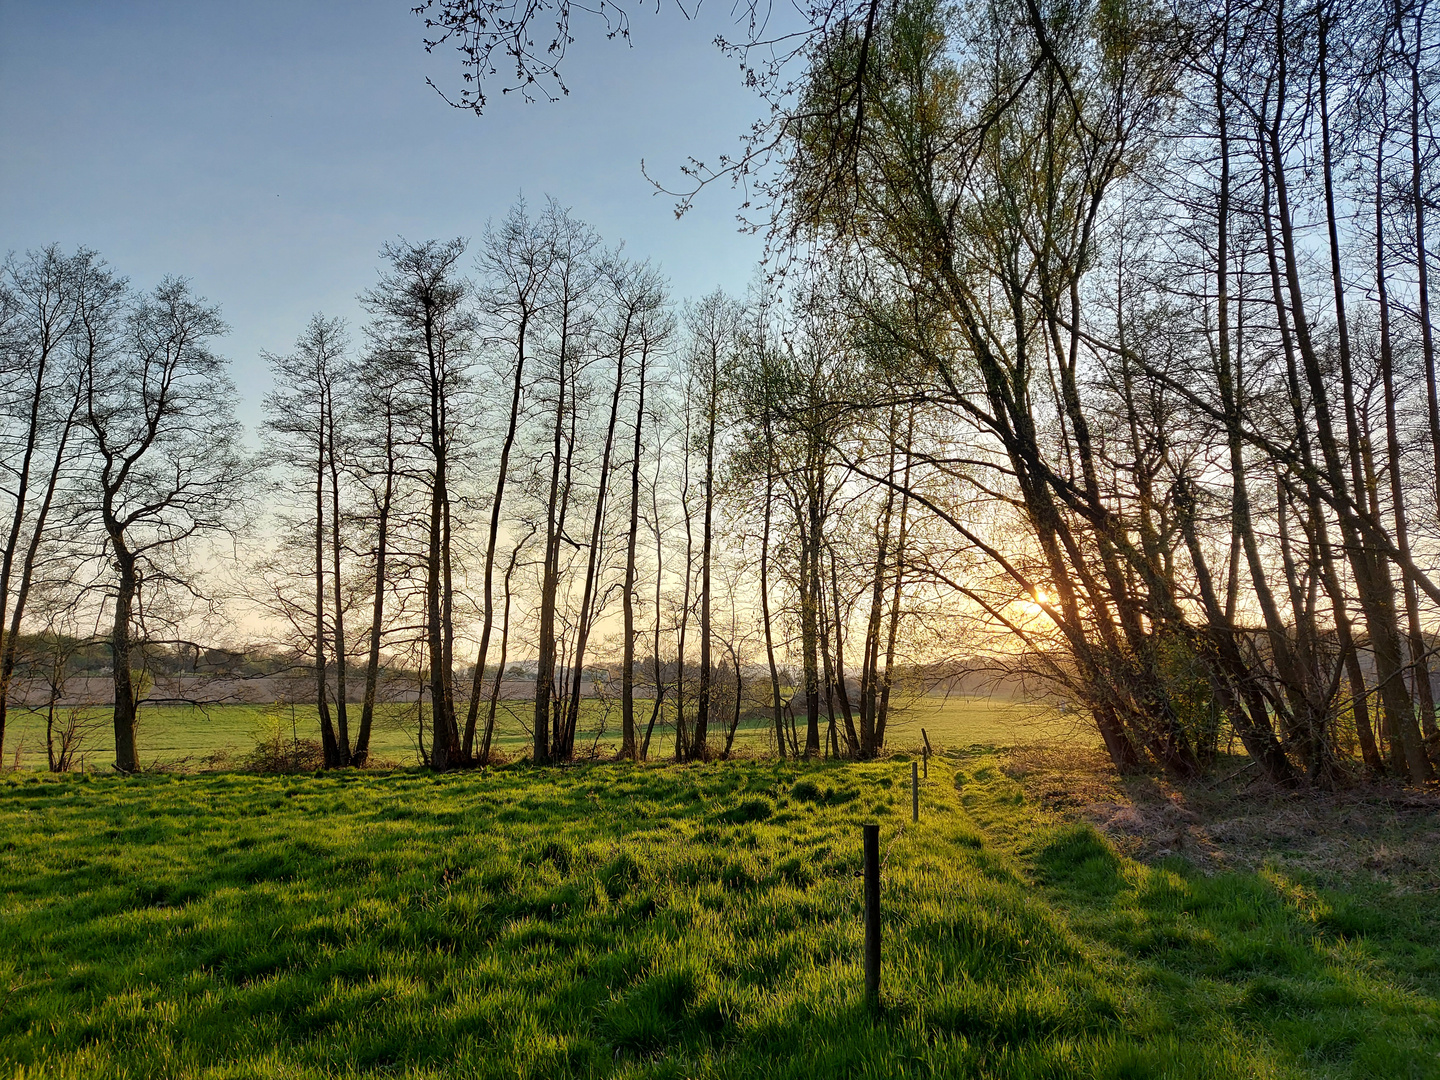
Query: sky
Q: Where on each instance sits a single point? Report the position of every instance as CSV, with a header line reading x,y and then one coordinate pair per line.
x,y
266,150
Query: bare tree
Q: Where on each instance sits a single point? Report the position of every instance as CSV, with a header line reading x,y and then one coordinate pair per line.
x,y
51,306
712,325
570,311
169,471
422,313
646,295
302,419
515,261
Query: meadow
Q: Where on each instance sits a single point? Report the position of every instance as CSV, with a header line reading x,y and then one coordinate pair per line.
x,y
669,921
221,735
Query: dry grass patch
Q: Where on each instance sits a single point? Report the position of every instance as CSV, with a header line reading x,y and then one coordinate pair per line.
x,y
1372,831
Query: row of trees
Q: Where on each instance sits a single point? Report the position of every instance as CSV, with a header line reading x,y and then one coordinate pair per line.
x,y
1153,278
529,439
529,455
1163,272
1106,333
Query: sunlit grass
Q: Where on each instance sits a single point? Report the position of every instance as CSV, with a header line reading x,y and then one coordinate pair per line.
x,y
677,921
182,734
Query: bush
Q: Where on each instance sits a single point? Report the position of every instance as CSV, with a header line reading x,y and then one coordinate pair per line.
x,y
278,754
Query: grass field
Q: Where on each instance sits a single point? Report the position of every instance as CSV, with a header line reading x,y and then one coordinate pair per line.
x,y
223,734
699,921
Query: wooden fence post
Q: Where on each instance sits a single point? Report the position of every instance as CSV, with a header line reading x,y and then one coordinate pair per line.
x,y
914,791
872,915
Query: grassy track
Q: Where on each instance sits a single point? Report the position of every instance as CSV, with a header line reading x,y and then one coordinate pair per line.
x,y
171,734
664,922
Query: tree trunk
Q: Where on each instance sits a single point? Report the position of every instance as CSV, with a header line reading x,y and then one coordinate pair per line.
x,y
342,731
488,622
659,587
739,699
627,662
1372,576
1357,439
681,744
504,650
445,738
545,671
27,566
702,707
377,614
810,634
887,678
330,748
870,665
842,691
597,530
127,760
1432,397
765,608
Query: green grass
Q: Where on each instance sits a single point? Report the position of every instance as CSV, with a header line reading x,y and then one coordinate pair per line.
x,y
958,721
182,734
171,734
700,921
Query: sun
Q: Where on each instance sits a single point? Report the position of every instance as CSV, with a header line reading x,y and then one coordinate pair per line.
x,y
1036,606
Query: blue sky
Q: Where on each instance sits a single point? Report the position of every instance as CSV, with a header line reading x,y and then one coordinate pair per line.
x,y
266,150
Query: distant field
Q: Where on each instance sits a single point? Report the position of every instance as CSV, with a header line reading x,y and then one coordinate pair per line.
x,y
171,734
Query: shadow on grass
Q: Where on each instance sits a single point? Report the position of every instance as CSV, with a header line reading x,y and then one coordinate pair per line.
x,y
698,921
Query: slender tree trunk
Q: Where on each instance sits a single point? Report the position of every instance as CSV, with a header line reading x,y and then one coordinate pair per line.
x,y
739,698
1418,651
328,743
12,541
562,734
545,671
842,692
495,509
597,531
810,633
1372,575
444,750
765,608
887,679
822,611
702,709
504,650
1418,140
870,666
377,613
681,744
1393,463
627,663
342,732
1357,439
655,705
10,653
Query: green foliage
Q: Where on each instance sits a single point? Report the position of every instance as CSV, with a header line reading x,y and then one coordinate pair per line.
x,y
1187,686
699,921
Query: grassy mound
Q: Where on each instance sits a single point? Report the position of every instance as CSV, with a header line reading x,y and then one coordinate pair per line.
x,y
698,921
